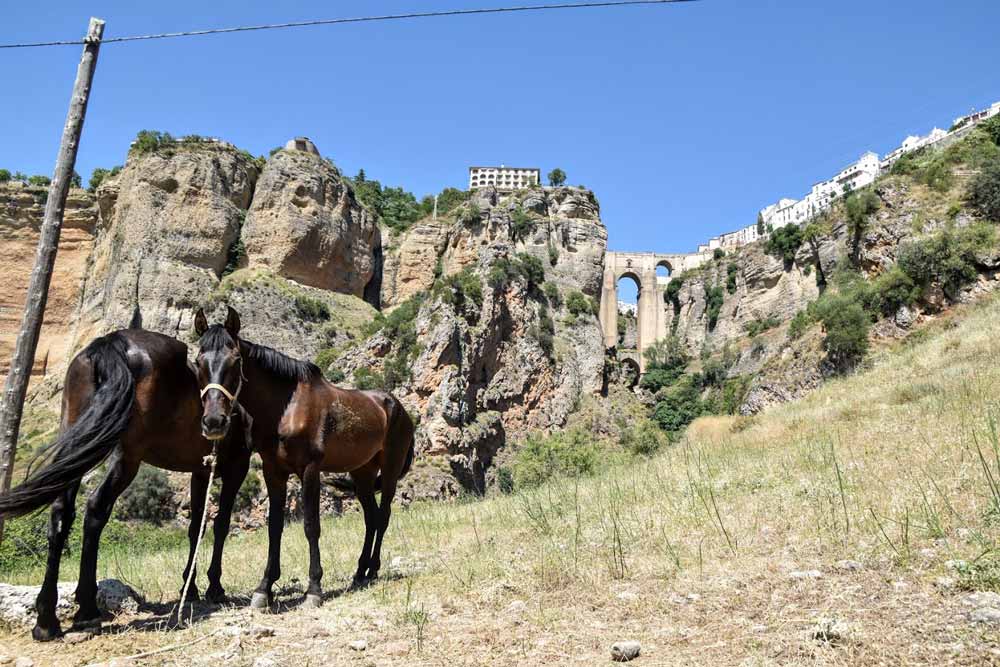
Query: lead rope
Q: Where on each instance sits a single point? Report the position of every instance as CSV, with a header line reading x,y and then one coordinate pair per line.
x,y
210,461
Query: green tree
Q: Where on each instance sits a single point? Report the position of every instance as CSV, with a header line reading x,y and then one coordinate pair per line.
x,y
557,177
39,180
984,191
714,299
666,360
784,242
100,174
679,406
4,175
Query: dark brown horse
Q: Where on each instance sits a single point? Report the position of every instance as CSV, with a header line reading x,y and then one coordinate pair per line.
x,y
131,396
304,425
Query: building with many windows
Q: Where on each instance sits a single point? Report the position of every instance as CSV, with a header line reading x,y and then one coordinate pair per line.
x,y
504,177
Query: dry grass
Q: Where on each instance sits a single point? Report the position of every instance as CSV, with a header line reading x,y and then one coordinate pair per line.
x,y
691,553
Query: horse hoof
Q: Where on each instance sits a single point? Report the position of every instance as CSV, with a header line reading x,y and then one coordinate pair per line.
x,y
46,634
313,601
215,596
259,601
86,622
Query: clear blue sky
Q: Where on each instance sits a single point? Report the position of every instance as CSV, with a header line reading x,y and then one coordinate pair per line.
x,y
684,119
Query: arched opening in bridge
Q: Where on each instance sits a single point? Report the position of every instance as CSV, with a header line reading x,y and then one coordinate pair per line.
x,y
663,271
627,310
629,372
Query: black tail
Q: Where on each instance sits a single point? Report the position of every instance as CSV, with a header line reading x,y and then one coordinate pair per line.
x,y
86,443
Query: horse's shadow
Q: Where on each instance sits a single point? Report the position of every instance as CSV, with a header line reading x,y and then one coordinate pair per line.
x,y
162,616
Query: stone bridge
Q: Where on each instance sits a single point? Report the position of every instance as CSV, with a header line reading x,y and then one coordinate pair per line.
x,y
651,314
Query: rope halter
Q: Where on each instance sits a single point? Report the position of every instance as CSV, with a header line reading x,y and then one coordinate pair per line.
x,y
232,396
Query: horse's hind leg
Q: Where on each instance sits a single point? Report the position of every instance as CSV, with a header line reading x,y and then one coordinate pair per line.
x,y
277,489
382,523
60,524
232,479
199,493
364,488
310,501
99,506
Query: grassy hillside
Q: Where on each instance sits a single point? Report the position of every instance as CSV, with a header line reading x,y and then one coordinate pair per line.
x,y
727,548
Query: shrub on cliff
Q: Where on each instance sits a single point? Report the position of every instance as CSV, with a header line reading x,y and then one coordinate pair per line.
x,y
784,242
984,191
100,174
578,304
947,258
846,324
666,360
148,498
858,208
150,141
463,291
732,271
39,181
714,299
522,224
311,308
678,406
557,177
4,175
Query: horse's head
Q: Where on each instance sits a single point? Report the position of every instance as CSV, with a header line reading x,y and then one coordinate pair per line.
x,y
220,372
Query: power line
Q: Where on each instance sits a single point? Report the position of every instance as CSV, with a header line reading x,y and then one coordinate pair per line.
x,y
357,19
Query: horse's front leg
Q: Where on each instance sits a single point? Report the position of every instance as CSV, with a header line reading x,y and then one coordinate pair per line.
x,y
232,478
276,482
310,501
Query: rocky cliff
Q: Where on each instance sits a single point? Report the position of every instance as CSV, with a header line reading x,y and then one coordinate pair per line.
x,y
499,338
758,292
21,210
491,348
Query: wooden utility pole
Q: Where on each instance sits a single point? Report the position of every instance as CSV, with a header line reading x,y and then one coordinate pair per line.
x,y
16,386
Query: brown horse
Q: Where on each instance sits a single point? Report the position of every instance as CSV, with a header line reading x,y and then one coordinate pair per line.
x,y
131,396
304,425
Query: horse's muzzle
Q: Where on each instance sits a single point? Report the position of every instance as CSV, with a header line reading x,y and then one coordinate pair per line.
x,y
214,427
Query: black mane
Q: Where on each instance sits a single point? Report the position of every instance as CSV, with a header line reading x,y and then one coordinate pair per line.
x,y
269,359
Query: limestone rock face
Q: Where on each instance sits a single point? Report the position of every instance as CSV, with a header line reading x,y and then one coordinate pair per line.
x,y
167,223
306,225
21,211
484,375
563,223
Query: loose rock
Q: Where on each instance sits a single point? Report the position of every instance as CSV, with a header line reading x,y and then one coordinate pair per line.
x,y
805,574
625,650
359,645
831,631
76,637
987,615
849,565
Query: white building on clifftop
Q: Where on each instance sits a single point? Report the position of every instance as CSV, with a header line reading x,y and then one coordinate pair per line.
x,y
504,178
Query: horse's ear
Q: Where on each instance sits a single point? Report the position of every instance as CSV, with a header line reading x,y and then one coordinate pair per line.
x,y
232,322
200,323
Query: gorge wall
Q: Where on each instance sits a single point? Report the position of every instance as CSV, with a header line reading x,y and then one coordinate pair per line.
x,y
494,353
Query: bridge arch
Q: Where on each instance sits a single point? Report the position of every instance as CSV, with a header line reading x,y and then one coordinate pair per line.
x,y
651,316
